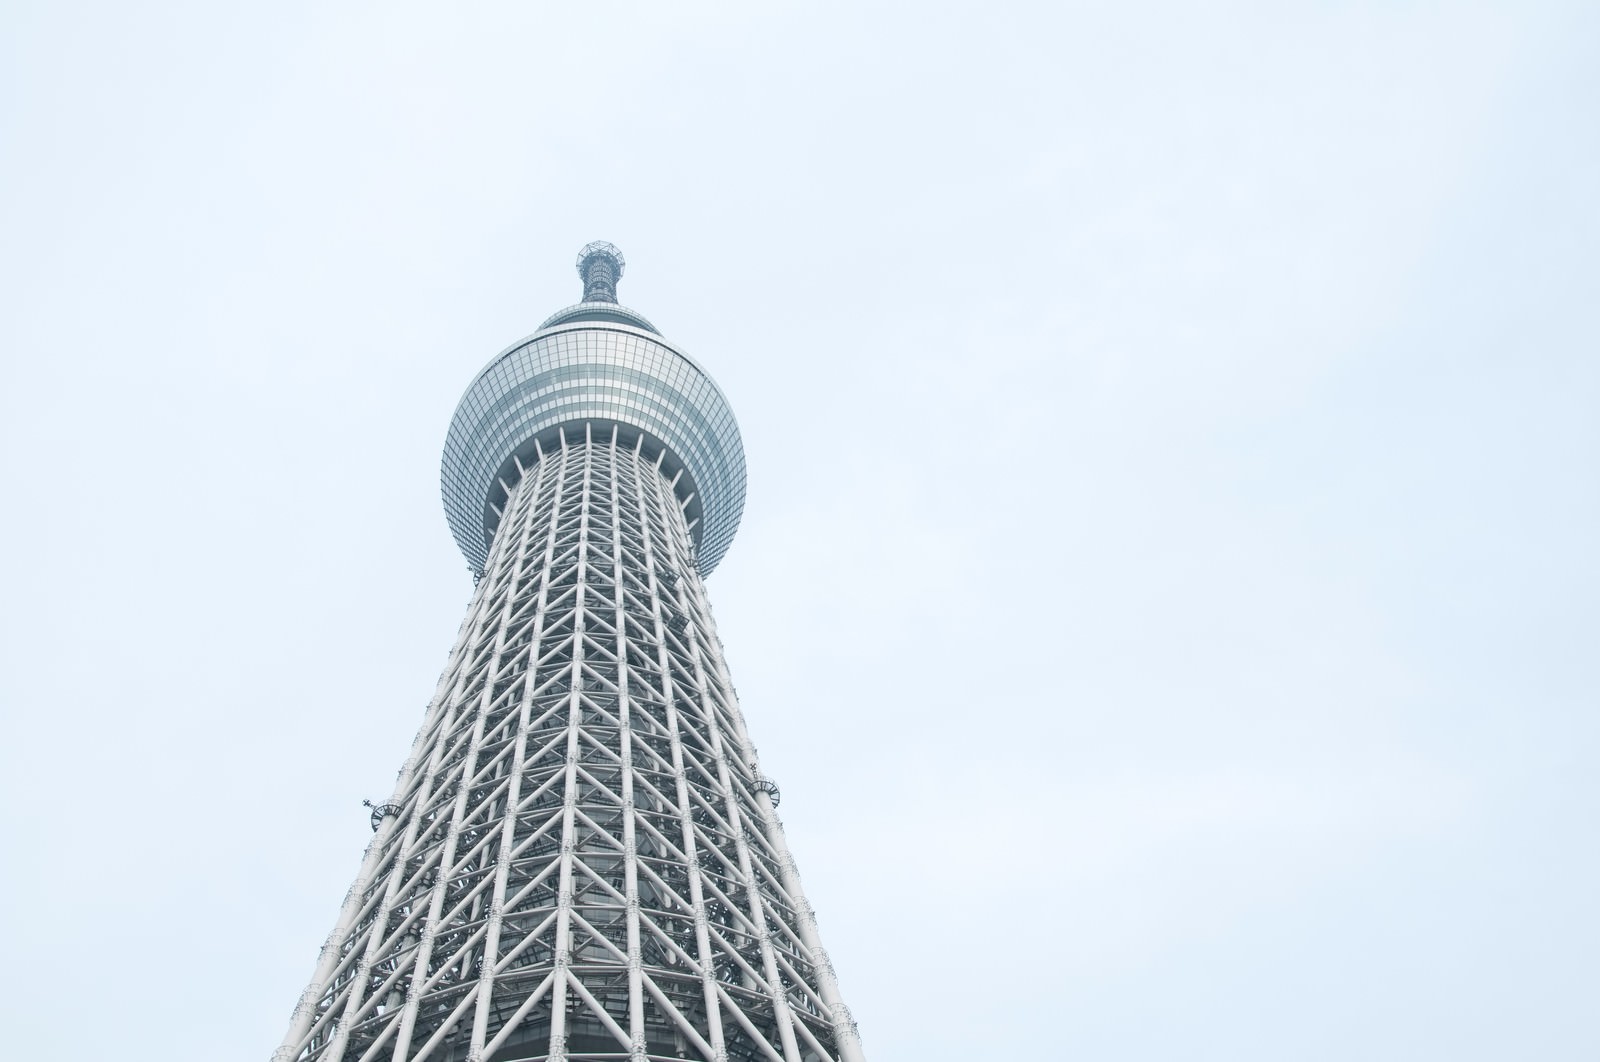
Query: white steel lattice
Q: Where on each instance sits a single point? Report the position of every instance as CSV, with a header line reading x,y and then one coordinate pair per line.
x,y
581,859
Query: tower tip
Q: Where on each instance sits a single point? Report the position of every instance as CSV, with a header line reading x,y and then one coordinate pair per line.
x,y
600,265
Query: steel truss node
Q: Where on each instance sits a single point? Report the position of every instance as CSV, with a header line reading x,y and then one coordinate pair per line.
x,y
580,860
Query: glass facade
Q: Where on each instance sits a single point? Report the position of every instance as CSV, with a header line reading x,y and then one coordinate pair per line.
x,y
600,365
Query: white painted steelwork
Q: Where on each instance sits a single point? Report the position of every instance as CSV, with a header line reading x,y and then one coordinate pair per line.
x,y
581,859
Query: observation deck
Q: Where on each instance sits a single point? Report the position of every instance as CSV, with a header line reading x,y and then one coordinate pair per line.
x,y
594,367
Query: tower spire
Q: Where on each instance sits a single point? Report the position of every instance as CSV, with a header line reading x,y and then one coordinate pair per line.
x,y
600,265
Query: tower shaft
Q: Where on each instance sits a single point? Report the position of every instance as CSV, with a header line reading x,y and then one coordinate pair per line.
x,y
581,860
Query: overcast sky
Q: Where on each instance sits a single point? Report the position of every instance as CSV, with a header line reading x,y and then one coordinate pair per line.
x,y
1167,594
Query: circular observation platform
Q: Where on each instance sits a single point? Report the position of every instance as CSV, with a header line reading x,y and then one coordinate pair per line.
x,y
594,367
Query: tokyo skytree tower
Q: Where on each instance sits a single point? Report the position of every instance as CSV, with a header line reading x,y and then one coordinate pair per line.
x,y
581,859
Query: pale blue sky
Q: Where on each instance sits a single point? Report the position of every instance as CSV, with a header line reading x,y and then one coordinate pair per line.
x,y
1167,594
